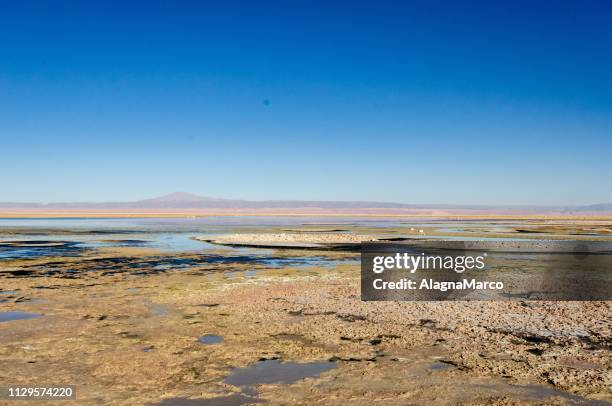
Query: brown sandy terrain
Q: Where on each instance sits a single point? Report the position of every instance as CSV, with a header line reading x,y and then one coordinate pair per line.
x,y
125,331
134,340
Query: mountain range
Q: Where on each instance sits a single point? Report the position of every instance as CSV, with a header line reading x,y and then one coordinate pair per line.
x,y
187,201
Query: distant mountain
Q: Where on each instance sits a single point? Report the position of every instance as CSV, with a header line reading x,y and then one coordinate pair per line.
x,y
595,207
182,200
180,197
190,201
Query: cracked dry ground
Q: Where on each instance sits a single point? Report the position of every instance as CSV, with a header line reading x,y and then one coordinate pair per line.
x,y
131,337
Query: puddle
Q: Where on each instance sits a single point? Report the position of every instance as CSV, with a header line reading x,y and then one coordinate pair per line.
x,y
274,371
441,366
236,399
250,273
8,292
10,316
209,339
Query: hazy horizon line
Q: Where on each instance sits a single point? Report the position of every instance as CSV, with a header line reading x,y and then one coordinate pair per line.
x,y
191,197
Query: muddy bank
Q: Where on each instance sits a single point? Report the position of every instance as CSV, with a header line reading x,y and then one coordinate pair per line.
x,y
307,239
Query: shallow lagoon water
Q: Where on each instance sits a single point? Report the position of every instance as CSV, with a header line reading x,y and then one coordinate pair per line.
x,y
34,247
176,234
13,315
165,235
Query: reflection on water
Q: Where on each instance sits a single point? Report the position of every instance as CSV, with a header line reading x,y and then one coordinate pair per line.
x,y
48,245
274,371
262,372
35,248
236,399
11,316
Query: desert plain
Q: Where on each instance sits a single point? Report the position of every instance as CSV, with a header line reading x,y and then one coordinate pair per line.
x,y
217,311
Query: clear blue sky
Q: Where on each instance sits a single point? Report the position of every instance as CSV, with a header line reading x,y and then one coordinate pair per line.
x,y
417,102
